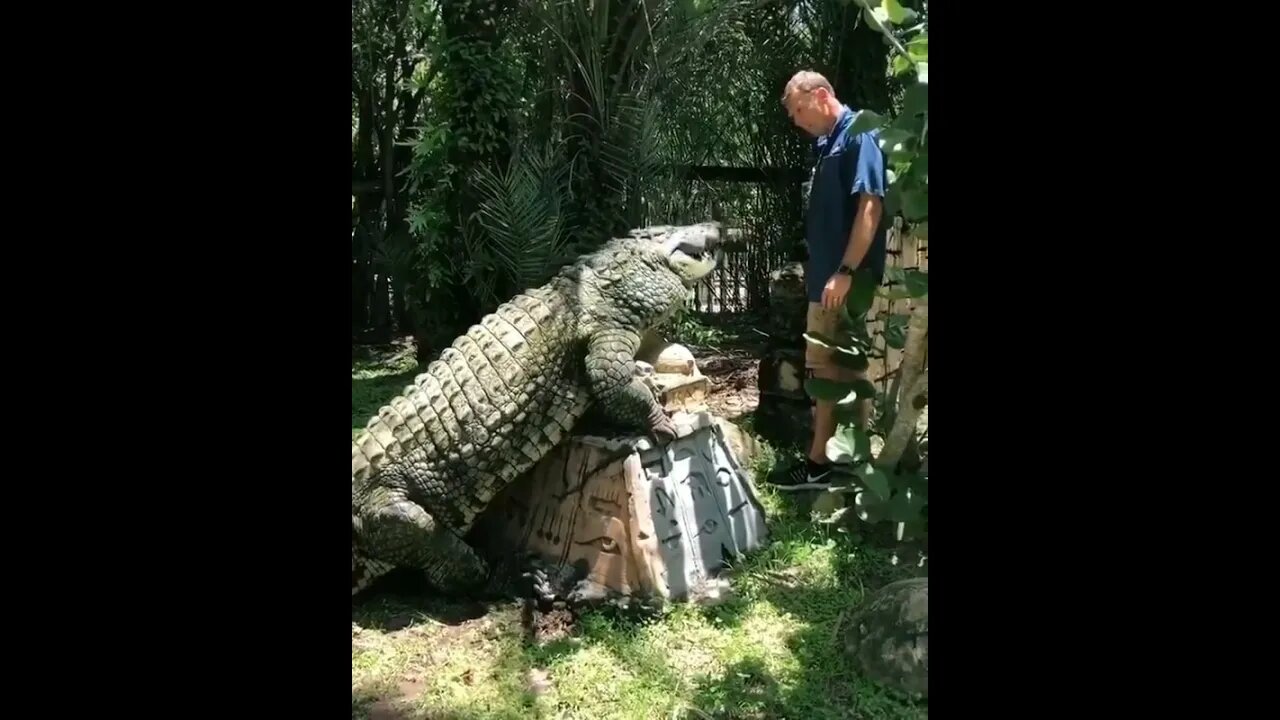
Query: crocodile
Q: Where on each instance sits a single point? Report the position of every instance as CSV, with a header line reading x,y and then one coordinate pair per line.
x,y
503,395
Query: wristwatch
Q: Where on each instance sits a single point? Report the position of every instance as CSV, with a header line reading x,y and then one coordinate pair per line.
x,y
846,270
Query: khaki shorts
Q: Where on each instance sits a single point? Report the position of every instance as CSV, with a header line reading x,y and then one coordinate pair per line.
x,y
818,360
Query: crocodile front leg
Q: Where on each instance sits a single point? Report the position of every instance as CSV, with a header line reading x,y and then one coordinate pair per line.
x,y
401,533
620,396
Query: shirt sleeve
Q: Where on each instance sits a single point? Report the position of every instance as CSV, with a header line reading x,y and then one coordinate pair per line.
x,y
869,174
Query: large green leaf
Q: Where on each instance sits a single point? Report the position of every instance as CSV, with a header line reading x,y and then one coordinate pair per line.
x,y
847,414
918,48
920,166
917,282
912,124
913,530
866,120
917,483
886,13
895,12
906,506
875,480
849,346
915,203
865,388
877,18
893,200
858,363
862,294
849,445
896,140
915,100
870,507
895,331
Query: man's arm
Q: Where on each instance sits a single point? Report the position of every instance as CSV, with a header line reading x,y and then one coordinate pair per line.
x,y
865,223
869,182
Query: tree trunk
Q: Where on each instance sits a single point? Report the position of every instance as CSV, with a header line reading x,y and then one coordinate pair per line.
x,y
380,310
359,296
404,323
914,384
473,34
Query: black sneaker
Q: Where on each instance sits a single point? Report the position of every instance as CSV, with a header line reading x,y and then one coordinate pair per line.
x,y
809,476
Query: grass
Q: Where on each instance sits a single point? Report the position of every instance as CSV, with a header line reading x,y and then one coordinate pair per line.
x,y
770,652
375,379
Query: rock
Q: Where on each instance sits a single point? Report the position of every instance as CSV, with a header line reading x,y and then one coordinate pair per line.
x,y
712,591
538,681
744,445
675,359
788,302
782,373
618,516
888,636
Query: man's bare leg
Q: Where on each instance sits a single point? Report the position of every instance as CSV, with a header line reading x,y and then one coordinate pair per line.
x,y
824,412
820,363
824,422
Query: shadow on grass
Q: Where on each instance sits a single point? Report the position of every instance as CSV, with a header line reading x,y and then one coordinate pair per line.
x,y
438,658
463,660
609,663
816,576
403,598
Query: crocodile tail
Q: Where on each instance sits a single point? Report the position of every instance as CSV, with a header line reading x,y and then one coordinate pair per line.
x,y
384,437
364,571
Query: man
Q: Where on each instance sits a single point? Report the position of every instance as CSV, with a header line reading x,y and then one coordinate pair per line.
x,y
844,233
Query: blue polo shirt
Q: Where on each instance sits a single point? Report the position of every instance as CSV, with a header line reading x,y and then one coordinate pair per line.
x,y
846,165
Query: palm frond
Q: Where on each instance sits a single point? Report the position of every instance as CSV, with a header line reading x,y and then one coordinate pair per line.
x,y
520,213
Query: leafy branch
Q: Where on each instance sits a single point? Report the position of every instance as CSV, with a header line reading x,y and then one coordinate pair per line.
x,y
892,485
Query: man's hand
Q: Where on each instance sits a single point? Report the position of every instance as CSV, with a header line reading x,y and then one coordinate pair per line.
x,y
836,290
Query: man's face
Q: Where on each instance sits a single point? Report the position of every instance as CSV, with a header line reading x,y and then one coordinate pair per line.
x,y
808,110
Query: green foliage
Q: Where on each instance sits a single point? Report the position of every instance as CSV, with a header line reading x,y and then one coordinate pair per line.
x,y
518,237
686,328
474,87
881,494
614,96
541,141
905,139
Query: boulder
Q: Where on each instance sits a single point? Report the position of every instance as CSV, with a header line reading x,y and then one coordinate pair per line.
x,y
784,414
887,636
788,303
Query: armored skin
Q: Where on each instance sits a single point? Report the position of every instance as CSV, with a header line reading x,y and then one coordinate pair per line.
x,y
505,393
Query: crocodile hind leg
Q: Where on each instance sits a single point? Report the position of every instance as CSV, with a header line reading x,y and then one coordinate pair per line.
x,y
401,533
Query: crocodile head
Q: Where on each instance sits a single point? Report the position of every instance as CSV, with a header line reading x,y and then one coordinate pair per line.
x,y
691,251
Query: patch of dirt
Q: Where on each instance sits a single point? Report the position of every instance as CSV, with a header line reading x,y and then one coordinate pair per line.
x,y
733,378
538,681
541,628
408,689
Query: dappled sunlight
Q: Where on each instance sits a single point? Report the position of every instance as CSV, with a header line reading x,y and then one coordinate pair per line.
x,y
431,669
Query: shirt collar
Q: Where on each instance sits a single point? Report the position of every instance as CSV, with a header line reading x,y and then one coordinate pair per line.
x,y
843,120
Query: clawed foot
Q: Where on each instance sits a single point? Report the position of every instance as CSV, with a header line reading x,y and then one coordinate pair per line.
x,y
661,429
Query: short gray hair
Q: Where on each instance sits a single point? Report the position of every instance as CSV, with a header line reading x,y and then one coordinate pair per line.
x,y
805,81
